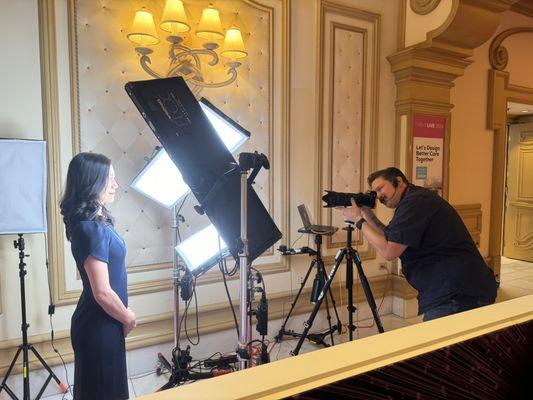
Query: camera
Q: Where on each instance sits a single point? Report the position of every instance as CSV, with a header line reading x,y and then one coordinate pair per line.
x,y
337,199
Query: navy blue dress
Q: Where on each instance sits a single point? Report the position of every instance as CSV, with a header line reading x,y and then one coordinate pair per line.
x,y
97,338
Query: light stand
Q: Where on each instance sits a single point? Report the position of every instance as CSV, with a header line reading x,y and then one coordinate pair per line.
x,y
247,161
25,346
352,256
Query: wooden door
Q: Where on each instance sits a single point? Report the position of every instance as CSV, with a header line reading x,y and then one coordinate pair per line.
x,y
518,230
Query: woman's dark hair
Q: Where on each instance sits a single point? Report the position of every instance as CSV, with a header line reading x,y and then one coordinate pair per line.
x,y
390,174
86,179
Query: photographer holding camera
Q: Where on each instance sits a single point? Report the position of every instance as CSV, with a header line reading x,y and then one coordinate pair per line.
x,y
439,257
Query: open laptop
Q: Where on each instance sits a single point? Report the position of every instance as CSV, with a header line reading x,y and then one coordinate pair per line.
x,y
311,228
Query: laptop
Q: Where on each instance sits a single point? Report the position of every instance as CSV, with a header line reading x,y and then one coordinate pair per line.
x,y
311,228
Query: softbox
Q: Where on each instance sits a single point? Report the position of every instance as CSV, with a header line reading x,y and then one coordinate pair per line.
x,y
23,182
178,122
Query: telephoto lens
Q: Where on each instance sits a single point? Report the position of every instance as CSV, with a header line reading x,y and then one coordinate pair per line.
x,y
338,199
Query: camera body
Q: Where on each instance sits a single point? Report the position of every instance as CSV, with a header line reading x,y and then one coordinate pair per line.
x,y
338,199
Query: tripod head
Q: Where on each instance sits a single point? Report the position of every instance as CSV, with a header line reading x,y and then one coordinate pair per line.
x,y
19,243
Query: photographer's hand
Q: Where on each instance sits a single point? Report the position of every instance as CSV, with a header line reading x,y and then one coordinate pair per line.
x,y
372,219
352,213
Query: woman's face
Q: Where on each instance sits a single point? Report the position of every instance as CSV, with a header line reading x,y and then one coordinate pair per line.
x,y
108,194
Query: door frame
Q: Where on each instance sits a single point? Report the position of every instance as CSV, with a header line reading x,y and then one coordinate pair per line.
x,y
499,93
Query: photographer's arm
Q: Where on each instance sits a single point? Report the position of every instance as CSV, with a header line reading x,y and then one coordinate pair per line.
x,y
374,232
372,219
389,250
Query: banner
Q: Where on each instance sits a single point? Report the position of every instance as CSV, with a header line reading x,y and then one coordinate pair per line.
x,y
428,151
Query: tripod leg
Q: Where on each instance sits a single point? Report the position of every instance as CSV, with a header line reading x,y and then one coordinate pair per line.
x,y
339,325
322,271
51,373
309,323
328,317
279,336
367,290
349,287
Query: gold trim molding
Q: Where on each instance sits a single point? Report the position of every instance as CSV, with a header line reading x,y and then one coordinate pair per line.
x,y
498,55
423,7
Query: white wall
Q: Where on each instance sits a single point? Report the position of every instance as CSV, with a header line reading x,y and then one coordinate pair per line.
x,y
21,117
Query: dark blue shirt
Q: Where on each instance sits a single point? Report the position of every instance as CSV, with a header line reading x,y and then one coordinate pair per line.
x,y
441,259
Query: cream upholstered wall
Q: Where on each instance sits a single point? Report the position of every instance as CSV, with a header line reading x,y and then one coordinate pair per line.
x,y
106,121
471,142
110,124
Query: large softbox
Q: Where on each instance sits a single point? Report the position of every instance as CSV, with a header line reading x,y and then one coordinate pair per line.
x,y
175,117
23,182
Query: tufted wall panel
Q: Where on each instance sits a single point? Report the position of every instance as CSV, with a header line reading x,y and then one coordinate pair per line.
x,y
348,101
110,124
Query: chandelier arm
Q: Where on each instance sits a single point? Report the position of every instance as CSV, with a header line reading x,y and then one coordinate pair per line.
x,y
208,52
145,60
231,79
184,49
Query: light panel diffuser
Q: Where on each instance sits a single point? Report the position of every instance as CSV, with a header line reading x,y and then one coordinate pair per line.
x,y
201,251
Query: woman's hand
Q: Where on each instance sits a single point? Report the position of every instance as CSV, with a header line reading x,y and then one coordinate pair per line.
x,y
130,323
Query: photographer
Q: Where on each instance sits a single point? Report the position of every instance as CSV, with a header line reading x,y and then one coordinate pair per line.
x,y
439,257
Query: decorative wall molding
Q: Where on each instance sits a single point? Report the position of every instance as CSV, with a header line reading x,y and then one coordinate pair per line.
x,y
158,329
500,91
401,25
49,89
471,216
423,7
277,119
348,83
498,55
470,24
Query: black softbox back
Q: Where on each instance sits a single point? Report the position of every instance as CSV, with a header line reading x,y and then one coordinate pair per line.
x,y
178,122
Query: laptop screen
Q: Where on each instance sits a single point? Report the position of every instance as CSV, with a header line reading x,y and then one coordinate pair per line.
x,y
304,215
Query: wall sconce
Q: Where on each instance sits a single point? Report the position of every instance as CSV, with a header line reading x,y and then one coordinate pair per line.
x,y
184,60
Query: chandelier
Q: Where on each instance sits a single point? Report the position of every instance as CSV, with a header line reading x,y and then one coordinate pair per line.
x,y
186,61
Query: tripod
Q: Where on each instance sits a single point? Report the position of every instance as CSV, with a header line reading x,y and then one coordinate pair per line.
x,y
320,277
352,256
25,346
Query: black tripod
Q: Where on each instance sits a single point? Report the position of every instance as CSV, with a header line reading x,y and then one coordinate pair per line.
x,y
352,256
25,346
318,287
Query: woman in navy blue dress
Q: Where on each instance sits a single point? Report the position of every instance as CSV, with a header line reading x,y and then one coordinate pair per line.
x,y
102,318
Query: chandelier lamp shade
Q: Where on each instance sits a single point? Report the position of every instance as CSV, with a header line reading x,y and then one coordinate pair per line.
x,y
186,61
